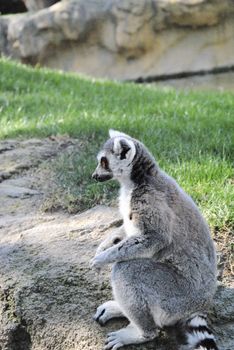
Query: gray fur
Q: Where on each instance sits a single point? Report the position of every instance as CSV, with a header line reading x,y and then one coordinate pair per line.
x,y
164,267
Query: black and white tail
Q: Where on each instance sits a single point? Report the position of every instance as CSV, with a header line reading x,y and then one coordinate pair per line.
x,y
198,334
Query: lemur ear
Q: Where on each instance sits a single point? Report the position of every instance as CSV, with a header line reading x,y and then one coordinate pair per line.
x,y
124,148
115,133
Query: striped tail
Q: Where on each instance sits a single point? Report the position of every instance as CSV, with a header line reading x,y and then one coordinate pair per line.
x,y
198,334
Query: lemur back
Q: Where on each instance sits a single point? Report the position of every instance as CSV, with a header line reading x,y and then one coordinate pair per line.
x,y
164,262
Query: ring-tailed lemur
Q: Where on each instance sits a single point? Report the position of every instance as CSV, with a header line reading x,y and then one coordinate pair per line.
x,y
164,261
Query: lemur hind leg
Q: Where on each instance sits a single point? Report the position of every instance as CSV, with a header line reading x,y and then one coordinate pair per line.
x,y
151,296
107,311
128,335
127,290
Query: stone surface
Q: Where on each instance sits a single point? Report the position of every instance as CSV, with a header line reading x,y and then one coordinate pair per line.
x,y
14,191
16,156
48,293
124,39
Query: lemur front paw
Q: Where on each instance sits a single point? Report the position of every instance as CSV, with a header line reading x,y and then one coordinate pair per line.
x,y
108,310
98,316
108,244
98,261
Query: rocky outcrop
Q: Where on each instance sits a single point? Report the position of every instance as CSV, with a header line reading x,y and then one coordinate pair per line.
x,y
124,39
48,293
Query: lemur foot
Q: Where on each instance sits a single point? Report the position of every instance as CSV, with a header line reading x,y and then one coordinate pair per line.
x,y
125,336
106,311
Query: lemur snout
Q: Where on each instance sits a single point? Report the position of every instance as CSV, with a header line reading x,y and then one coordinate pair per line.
x,y
102,177
95,176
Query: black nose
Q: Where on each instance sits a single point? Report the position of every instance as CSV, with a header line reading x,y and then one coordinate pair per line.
x,y
95,176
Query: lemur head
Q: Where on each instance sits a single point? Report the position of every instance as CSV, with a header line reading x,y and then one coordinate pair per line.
x,y
115,159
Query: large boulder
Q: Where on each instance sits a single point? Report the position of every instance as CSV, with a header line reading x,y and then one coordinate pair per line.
x,y
124,39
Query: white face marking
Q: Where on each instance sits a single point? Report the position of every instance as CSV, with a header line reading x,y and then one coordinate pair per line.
x,y
119,156
100,155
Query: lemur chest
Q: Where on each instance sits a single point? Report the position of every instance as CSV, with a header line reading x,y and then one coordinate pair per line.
x,y
130,225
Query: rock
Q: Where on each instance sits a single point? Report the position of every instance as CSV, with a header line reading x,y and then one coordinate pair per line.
x,y
24,180
49,293
16,156
224,306
223,316
7,145
124,39
16,191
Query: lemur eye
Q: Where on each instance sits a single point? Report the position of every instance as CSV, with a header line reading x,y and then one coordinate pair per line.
x,y
104,162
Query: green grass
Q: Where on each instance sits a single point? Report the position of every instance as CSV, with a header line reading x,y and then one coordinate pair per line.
x,y
191,134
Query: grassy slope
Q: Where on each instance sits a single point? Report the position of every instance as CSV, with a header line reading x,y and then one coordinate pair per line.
x,y
189,133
